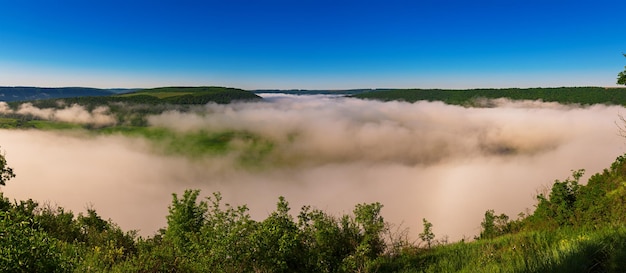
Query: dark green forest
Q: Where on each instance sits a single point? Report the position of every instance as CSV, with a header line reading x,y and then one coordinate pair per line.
x,y
474,97
84,95
575,227
129,108
22,93
163,96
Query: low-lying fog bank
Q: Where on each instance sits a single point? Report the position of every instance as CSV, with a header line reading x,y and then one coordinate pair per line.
x,y
448,164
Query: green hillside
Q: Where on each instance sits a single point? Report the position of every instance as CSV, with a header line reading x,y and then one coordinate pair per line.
x,y
192,95
470,97
128,109
575,227
156,96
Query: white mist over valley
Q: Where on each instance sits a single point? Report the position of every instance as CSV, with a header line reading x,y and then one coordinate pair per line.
x,y
448,164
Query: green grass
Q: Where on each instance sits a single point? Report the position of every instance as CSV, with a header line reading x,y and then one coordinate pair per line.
x,y
14,123
250,150
193,95
8,123
563,250
51,125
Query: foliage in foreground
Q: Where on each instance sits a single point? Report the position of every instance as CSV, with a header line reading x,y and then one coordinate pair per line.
x,y
574,228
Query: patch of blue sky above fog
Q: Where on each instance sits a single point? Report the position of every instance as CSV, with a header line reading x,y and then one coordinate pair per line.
x,y
312,44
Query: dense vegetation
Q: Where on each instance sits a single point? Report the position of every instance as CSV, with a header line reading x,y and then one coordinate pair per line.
x,y
155,96
314,92
84,95
474,97
21,93
129,109
574,228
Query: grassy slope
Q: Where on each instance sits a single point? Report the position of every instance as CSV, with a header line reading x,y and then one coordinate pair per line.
x,y
15,123
194,95
249,148
566,95
592,238
563,250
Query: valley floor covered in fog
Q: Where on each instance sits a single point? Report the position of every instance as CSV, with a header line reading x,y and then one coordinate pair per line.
x,y
448,164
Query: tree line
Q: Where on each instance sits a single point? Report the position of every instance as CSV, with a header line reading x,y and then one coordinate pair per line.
x,y
477,97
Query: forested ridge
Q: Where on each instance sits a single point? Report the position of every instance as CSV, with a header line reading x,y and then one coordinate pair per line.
x,y
204,94
475,97
92,96
126,109
24,93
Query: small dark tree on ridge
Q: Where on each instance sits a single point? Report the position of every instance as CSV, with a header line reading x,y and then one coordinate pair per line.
x,y
621,77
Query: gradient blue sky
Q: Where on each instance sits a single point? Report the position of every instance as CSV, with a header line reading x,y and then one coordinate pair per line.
x,y
312,44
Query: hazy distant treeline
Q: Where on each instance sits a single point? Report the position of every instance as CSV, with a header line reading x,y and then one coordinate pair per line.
x,y
475,97
20,93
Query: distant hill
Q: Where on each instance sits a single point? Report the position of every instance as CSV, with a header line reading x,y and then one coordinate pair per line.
x,y
22,93
191,95
471,97
93,96
313,92
129,108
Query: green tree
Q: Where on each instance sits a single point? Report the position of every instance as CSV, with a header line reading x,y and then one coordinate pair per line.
x,y
494,225
621,77
186,218
6,173
559,208
24,247
226,241
488,225
427,235
59,224
278,245
328,239
370,225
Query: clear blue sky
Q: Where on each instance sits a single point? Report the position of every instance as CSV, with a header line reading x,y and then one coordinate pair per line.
x,y
312,44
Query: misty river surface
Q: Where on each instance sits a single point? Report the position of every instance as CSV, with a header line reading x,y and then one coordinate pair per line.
x,y
448,164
